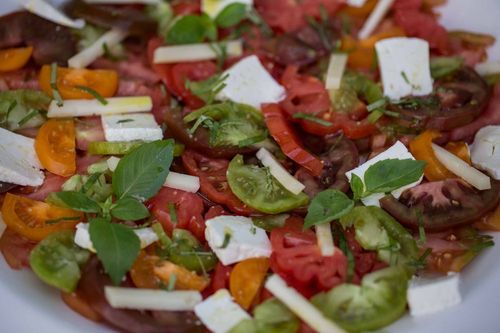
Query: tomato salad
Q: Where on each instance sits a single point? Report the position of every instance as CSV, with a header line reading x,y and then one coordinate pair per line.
x,y
246,166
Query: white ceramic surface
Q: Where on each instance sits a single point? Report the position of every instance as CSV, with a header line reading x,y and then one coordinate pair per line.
x,y
27,305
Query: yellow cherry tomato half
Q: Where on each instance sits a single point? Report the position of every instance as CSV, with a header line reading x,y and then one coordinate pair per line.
x,y
15,58
246,280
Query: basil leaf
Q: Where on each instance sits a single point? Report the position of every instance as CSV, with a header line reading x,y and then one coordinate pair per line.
x,y
142,172
190,29
357,186
77,201
129,209
391,174
327,206
117,247
231,15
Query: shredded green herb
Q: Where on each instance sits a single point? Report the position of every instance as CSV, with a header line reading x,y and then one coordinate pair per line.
x,y
11,107
317,120
165,242
94,93
172,212
61,219
227,239
32,113
171,282
124,121
53,84
253,140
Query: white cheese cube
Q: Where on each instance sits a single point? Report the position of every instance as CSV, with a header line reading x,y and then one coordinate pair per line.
x,y
396,151
485,151
213,7
249,83
404,66
82,237
219,313
426,296
19,163
245,239
180,181
131,127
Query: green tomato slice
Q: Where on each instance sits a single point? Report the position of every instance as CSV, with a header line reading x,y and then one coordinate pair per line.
x,y
56,260
257,188
230,124
377,302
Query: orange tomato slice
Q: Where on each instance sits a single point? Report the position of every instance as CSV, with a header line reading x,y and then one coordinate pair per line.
x,y
246,280
15,58
421,149
104,82
142,272
56,148
184,278
36,220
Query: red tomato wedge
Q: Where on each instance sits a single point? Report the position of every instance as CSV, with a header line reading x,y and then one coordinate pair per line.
x,y
283,133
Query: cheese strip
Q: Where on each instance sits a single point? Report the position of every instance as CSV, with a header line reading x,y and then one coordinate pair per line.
x,y
335,71
49,12
325,239
194,52
279,172
182,182
375,18
93,107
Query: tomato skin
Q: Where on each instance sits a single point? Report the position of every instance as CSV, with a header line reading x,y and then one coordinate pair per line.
x,y
28,217
246,280
76,302
186,7
283,133
16,249
297,259
220,279
56,148
213,180
305,93
14,58
103,81
142,271
189,209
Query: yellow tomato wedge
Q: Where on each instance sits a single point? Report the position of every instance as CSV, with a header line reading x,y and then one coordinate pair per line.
x,y
246,280
15,58
184,278
36,220
56,148
104,82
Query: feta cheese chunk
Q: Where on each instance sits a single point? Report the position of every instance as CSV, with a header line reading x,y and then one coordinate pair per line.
x,y
19,163
249,83
404,66
245,239
485,151
82,237
219,312
180,181
426,296
396,151
131,127
152,299
213,7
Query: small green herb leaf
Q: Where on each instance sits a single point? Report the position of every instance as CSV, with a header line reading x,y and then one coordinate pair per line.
x,y
231,15
78,201
327,206
117,247
129,209
207,89
189,29
94,94
388,175
314,119
357,186
142,172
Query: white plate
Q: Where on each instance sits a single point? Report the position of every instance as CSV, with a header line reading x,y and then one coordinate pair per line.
x,y
27,305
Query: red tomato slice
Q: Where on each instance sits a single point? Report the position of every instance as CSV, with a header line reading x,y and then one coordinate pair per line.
x,y
175,75
186,7
213,180
16,249
282,132
305,93
352,129
297,258
220,279
189,209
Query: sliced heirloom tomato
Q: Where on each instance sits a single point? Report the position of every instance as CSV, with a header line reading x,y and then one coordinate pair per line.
x,y
56,147
16,249
36,220
297,258
246,280
213,180
142,271
184,278
421,149
442,205
257,188
188,207
377,302
15,58
283,133
103,81
76,302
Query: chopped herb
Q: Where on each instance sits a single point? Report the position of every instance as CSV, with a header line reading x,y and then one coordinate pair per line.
x,y
11,107
483,245
322,31
421,230
306,116
124,121
208,89
60,219
376,105
53,84
253,230
220,51
227,239
416,102
403,74
203,120
421,262
94,93
165,242
172,212
171,282
32,113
